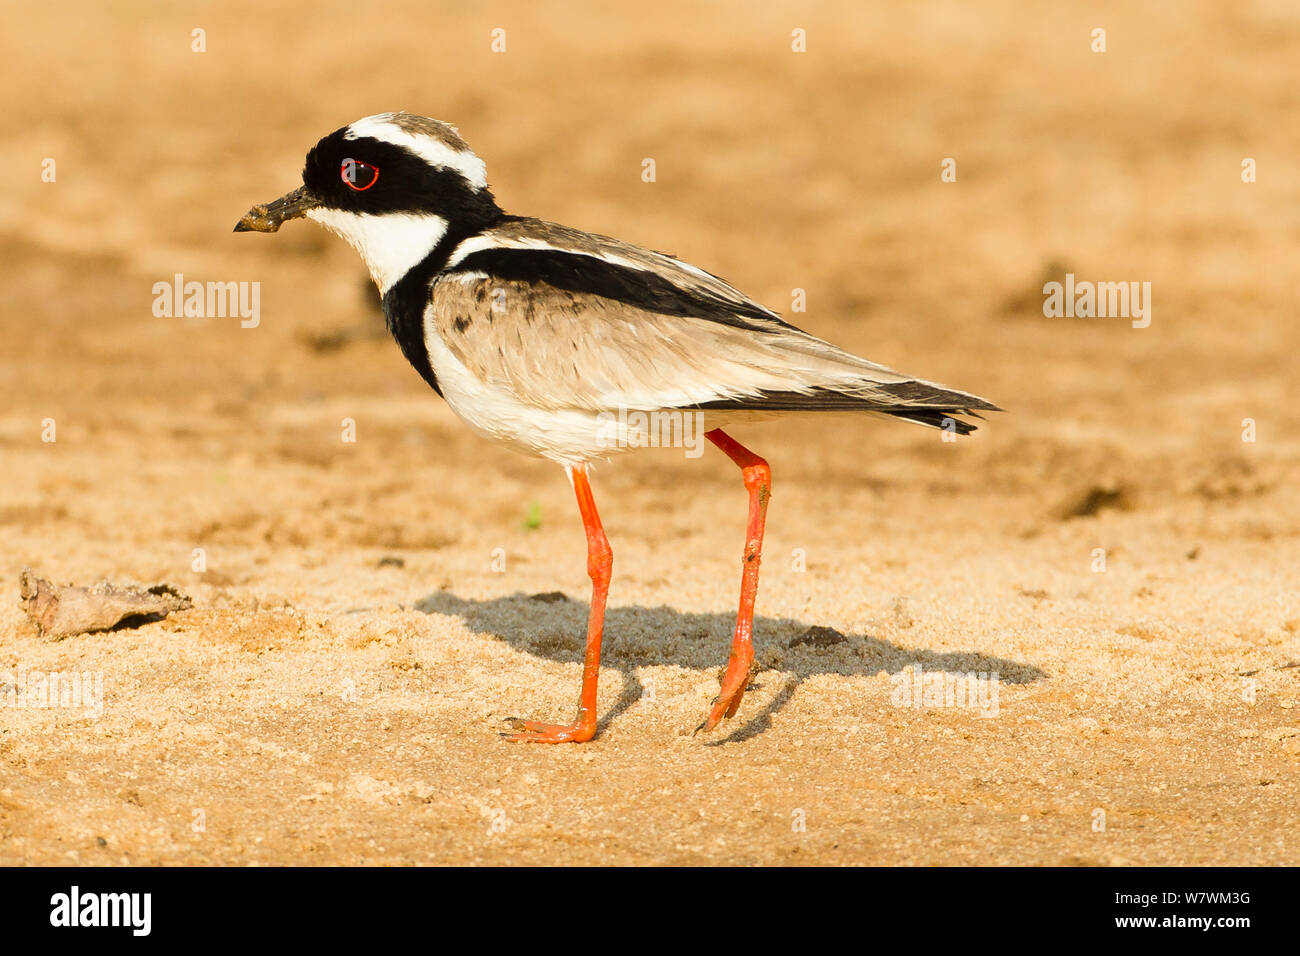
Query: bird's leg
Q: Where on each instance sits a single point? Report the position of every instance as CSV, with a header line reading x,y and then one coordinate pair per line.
x,y
758,481
600,564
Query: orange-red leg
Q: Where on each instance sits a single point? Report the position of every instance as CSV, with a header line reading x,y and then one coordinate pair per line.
x,y
758,481
600,565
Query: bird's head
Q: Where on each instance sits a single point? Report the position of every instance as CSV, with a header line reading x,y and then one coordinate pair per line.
x,y
393,185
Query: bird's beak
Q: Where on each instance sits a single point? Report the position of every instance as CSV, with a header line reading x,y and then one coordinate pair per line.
x,y
269,216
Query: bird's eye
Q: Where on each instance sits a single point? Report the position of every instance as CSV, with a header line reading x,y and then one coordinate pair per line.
x,y
358,176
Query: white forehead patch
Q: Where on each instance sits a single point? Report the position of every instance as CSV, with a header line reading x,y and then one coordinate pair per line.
x,y
429,148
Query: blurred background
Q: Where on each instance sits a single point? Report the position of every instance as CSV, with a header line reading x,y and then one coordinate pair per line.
x,y
780,170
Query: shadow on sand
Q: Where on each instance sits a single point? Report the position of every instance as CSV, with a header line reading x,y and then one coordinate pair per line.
x,y
554,627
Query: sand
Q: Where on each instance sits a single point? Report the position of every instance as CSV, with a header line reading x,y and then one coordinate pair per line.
x,y
365,618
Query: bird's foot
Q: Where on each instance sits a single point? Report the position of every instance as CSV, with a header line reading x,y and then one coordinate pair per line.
x,y
533,732
734,683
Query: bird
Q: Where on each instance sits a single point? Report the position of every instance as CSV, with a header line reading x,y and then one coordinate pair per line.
x,y
571,346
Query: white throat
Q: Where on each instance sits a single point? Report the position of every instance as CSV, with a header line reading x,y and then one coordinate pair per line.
x,y
390,244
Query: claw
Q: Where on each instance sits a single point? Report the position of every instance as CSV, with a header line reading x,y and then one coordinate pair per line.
x,y
533,732
734,684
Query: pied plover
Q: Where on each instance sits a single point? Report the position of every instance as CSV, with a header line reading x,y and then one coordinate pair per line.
x,y
545,338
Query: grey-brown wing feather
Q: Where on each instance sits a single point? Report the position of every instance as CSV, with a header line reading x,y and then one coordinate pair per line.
x,y
697,341
523,233
557,349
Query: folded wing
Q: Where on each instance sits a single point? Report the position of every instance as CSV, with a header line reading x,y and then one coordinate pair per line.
x,y
566,319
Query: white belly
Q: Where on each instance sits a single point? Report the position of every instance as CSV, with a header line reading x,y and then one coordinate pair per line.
x,y
570,436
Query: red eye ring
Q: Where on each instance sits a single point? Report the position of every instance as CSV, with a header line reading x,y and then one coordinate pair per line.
x,y
349,170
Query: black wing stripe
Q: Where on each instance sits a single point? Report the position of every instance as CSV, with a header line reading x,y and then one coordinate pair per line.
x,y
936,396
939,419
589,275
828,401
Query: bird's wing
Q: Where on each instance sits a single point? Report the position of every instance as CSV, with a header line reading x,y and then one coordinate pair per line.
x,y
566,319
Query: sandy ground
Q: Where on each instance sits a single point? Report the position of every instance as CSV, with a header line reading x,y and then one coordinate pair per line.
x,y
335,694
